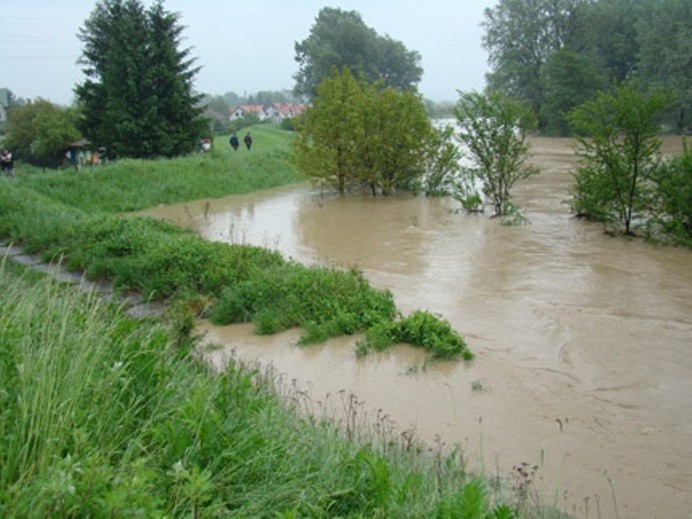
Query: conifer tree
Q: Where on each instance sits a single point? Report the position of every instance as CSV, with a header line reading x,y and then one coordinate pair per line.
x,y
137,99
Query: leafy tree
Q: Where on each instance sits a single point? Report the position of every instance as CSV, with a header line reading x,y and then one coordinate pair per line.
x,y
520,36
396,134
674,196
442,163
356,133
569,79
494,128
38,132
341,39
619,151
608,34
137,99
331,131
665,55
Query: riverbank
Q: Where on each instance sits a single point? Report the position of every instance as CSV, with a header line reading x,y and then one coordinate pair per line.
x,y
105,415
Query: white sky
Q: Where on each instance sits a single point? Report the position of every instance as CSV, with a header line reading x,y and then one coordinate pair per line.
x,y
245,46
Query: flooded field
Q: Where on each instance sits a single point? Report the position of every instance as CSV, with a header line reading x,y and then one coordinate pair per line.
x,y
583,341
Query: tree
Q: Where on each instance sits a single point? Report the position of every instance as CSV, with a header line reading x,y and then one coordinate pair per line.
x,y
569,79
609,36
520,36
665,57
330,132
356,133
494,128
137,98
674,196
395,138
341,39
37,132
442,163
619,151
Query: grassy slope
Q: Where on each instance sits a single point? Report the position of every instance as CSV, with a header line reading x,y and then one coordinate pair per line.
x,y
102,416
128,185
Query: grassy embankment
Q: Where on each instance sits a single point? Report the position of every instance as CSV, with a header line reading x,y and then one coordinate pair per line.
x,y
105,416
101,415
73,215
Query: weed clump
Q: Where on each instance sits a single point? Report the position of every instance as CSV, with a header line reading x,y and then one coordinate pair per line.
x,y
421,328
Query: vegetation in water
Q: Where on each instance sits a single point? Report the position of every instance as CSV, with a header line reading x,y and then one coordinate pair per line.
x,y
620,154
237,282
421,328
494,129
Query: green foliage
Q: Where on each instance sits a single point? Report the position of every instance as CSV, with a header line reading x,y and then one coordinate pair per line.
x,y
422,329
519,38
38,132
341,39
110,187
356,133
137,99
674,198
471,502
442,163
620,153
556,55
664,32
494,129
247,120
569,79
326,302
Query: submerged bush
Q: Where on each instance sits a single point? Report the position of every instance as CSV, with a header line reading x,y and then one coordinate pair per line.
x,y
419,329
327,302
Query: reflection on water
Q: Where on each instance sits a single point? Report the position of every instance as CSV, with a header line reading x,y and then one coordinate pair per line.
x,y
583,341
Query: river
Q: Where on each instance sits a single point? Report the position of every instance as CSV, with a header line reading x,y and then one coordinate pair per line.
x,y
583,340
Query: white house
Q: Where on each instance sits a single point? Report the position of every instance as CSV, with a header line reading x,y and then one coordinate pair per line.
x,y
275,112
241,111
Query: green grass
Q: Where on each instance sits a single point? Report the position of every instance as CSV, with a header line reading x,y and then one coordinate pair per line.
x,y
240,282
104,416
129,185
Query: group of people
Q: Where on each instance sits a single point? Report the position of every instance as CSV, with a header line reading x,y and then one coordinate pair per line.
x,y
7,162
235,143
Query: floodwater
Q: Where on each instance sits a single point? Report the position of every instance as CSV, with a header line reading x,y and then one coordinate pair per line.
x,y
583,341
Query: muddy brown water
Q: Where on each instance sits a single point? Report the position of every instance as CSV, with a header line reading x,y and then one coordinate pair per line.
x,y
583,341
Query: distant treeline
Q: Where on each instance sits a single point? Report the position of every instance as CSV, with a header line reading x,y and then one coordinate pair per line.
x,y
556,54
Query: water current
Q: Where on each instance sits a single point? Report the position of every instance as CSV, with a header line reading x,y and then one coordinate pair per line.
x,y
583,340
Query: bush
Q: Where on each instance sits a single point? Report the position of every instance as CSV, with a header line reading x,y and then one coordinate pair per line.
x,y
674,192
419,329
326,302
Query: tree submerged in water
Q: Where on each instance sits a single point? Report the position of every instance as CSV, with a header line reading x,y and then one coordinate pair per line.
x,y
620,155
494,129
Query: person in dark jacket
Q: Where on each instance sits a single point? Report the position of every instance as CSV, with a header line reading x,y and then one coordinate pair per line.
x,y
248,140
234,142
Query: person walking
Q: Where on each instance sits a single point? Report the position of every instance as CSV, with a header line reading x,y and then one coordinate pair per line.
x,y
248,140
234,142
7,163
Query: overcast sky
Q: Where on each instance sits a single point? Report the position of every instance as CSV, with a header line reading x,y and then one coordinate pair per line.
x,y
245,46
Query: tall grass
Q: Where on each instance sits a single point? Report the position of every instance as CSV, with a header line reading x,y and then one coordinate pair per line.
x,y
103,416
129,185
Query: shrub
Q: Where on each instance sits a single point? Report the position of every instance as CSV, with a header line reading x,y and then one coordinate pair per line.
x,y
326,301
419,329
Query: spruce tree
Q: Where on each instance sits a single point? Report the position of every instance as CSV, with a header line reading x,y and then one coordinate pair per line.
x,y
137,98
